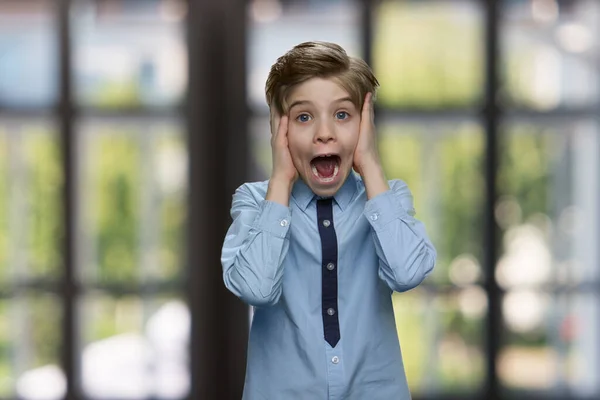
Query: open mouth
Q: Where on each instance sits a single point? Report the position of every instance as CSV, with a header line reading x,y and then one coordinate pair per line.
x,y
326,167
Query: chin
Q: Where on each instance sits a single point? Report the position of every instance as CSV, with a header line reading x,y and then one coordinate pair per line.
x,y
328,192
326,187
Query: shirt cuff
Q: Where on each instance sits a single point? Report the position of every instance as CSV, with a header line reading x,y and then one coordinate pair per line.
x,y
274,218
383,209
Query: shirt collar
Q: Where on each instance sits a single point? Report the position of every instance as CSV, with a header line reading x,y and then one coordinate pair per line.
x,y
303,195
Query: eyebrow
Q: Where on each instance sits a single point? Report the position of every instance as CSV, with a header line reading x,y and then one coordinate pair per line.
x,y
305,102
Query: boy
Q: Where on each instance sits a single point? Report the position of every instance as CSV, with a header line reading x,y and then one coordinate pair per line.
x,y
318,249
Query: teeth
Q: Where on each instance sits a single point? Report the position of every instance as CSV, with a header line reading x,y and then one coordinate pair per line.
x,y
326,180
314,171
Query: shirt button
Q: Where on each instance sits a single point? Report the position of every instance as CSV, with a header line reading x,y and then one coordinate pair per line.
x,y
374,217
326,223
330,266
335,360
284,222
330,311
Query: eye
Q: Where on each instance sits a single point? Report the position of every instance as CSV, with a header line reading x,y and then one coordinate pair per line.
x,y
342,115
303,118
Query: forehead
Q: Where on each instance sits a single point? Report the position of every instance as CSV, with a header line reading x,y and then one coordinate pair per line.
x,y
318,91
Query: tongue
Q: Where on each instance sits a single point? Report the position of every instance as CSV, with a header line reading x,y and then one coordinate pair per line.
x,y
325,166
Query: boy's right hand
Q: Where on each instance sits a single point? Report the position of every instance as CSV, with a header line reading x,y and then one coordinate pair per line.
x,y
284,170
284,173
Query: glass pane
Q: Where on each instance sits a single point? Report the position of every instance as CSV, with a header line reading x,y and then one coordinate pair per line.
x,y
28,48
135,347
129,53
548,211
30,201
429,54
550,52
30,345
551,344
442,165
441,339
275,27
132,192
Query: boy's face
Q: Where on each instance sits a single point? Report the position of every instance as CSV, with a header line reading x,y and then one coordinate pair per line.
x,y
322,134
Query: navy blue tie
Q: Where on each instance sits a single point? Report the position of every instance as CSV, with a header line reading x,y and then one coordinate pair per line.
x,y
329,267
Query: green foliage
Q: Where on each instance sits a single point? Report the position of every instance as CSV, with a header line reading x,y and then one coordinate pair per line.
x,y
43,329
443,171
526,162
115,175
31,320
117,94
173,213
427,56
116,172
111,316
44,190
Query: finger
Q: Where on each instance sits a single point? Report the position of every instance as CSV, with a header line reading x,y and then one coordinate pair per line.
x,y
366,105
275,120
282,129
367,114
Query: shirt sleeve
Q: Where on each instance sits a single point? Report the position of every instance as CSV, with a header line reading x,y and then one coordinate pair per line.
x,y
254,248
406,255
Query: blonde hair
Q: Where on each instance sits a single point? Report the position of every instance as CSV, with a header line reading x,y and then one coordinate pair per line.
x,y
318,59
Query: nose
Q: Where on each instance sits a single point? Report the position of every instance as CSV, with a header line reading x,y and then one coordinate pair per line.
x,y
325,132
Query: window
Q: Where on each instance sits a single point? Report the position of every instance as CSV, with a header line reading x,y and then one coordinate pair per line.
x,y
438,67
129,178
431,137
488,110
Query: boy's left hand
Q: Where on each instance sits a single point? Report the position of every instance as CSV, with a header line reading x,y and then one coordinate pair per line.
x,y
366,155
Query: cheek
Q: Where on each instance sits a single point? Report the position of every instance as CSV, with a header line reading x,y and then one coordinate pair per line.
x,y
298,142
351,134
295,145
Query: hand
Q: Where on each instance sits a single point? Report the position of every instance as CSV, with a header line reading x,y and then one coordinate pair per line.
x,y
284,173
366,154
283,167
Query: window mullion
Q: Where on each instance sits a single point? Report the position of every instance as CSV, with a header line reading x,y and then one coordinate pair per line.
x,y
65,117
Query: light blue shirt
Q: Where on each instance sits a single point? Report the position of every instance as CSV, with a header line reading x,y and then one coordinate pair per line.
x,y
272,258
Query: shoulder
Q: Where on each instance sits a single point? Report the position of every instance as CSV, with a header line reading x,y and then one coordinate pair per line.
x,y
251,191
396,185
254,189
401,191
